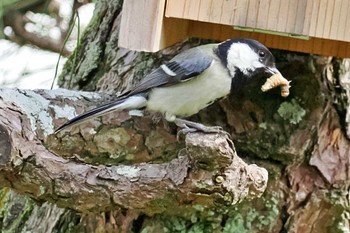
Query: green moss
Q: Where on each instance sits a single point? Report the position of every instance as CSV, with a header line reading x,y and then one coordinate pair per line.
x,y
339,211
160,204
342,224
4,192
145,230
235,224
242,218
291,111
72,143
267,221
201,185
263,125
15,213
199,228
91,60
96,18
90,48
113,141
198,207
180,225
262,217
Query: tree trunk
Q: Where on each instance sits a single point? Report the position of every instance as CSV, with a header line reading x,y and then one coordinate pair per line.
x,y
302,141
83,181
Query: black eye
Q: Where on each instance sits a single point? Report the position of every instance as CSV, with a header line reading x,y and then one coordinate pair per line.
x,y
262,54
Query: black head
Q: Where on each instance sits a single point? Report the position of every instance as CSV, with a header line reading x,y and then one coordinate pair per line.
x,y
246,55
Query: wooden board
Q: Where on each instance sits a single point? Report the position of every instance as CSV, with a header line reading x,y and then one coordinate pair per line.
x,y
263,14
229,9
314,45
273,15
253,17
335,19
310,6
179,9
327,19
191,9
141,24
301,16
145,28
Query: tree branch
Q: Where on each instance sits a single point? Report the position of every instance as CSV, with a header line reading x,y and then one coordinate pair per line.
x,y
17,23
206,171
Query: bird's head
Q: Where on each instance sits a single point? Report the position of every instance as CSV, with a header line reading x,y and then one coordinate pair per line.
x,y
246,56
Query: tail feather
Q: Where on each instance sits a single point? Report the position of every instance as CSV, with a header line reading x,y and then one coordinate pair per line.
x,y
96,112
132,102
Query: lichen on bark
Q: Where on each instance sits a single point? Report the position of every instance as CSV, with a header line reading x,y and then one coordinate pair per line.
x,y
85,183
307,161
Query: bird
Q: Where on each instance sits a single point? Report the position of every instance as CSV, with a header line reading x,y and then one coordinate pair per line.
x,y
191,81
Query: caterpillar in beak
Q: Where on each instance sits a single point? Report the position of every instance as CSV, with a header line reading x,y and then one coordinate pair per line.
x,y
277,80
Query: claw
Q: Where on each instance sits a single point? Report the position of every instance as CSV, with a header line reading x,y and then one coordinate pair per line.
x,y
184,131
190,127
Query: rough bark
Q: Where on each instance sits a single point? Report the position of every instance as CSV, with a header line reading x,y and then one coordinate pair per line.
x,y
206,172
302,140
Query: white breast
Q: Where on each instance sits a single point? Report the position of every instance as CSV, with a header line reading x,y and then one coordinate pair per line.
x,y
187,98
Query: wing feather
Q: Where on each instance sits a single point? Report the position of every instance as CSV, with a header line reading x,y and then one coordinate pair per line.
x,y
186,66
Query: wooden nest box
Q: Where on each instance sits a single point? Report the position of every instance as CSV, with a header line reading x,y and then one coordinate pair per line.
x,y
309,26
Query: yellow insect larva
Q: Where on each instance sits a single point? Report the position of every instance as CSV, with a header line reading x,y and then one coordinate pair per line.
x,y
285,90
277,80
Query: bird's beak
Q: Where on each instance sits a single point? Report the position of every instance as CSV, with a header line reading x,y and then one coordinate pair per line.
x,y
272,70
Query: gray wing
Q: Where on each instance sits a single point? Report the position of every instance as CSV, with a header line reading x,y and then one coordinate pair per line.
x,y
182,67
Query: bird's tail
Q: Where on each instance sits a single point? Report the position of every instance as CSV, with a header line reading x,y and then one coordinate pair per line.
x,y
132,102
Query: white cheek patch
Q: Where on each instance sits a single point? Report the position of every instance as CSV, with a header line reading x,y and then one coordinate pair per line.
x,y
257,64
240,55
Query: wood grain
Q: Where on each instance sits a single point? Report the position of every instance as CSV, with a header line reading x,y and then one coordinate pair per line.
x,y
175,9
283,16
314,45
308,17
204,10
328,19
300,16
263,14
141,24
273,15
229,9
144,27
191,9
240,18
335,19
252,14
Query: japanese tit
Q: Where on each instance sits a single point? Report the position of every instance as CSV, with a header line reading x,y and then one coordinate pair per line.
x,y
191,81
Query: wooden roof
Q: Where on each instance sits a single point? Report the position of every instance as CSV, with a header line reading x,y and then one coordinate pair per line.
x,y
311,26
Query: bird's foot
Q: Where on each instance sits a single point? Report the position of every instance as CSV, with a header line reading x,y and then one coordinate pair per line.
x,y
184,131
190,126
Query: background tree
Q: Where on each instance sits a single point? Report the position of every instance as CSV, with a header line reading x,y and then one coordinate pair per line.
x,y
303,142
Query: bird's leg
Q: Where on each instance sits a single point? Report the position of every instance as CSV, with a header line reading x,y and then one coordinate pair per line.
x,y
194,126
190,126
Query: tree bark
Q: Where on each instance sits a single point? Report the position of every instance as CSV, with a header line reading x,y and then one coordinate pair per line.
x,y
206,172
302,140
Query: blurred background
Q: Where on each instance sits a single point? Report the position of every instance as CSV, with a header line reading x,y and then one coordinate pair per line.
x,y
33,34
